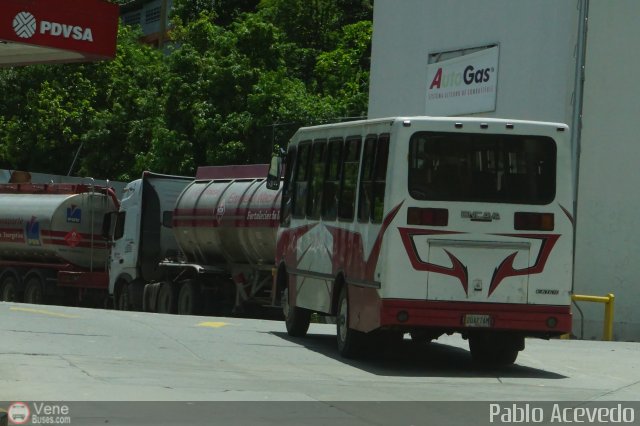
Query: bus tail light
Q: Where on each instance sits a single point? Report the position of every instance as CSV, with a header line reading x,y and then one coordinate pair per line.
x,y
533,221
427,217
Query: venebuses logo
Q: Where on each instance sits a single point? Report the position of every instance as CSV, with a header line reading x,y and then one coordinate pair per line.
x,y
25,26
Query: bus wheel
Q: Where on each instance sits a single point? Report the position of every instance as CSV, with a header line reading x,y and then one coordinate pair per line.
x,y
349,341
189,298
33,291
8,288
296,319
494,349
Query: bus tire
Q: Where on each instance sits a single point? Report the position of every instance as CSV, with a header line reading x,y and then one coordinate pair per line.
x,y
189,298
350,341
296,319
495,350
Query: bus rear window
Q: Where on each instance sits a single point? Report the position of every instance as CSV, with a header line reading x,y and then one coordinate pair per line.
x,y
482,168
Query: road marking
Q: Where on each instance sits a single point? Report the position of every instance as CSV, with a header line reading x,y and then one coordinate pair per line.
x,y
213,324
43,312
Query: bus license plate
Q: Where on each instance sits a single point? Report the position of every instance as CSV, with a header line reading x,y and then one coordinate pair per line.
x,y
473,320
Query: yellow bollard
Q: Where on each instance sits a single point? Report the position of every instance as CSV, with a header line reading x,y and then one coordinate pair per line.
x,y
607,332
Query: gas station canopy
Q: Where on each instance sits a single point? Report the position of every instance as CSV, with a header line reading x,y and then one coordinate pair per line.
x,y
46,31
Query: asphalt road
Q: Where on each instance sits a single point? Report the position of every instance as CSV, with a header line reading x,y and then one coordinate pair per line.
x,y
53,353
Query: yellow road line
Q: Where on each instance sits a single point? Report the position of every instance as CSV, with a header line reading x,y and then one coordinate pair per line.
x,y
43,312
212,324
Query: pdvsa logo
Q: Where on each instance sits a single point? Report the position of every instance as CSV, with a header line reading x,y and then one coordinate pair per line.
x,y
25,25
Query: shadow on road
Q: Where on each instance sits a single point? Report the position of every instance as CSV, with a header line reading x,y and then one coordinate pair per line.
x,y
408,359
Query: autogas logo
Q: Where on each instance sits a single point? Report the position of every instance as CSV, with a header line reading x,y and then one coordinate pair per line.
x,y
26,26
469,76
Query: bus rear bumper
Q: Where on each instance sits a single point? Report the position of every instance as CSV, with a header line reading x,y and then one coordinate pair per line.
x,y
460,316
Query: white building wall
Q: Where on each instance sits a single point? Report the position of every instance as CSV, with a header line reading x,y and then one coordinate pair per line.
x,y
608,223
536,65
537,68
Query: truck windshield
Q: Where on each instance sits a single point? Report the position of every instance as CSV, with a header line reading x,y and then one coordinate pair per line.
x,y
482,168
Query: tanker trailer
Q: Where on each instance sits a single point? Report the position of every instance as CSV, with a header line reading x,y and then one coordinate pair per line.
x,y
53,242
225,223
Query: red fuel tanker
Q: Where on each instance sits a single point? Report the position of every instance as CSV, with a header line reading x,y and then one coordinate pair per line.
x,y
53,235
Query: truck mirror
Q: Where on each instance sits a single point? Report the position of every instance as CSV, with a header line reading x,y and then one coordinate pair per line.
x,y
275,170
167,219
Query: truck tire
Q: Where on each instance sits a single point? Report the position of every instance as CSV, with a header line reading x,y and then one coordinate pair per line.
x,y
296,319
350,341
189,298
9,289
150,297
136,292
122,301
34,291
495,349
167,298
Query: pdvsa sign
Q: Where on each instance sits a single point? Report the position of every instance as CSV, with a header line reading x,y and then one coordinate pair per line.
x,y
26,25
463,85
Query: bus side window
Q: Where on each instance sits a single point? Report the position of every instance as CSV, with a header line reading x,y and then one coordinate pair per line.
x,y
316,180
287,196
332,180
347,202
301,180
380,177
365,195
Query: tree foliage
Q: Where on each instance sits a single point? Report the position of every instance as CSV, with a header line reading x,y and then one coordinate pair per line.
x,y
241,76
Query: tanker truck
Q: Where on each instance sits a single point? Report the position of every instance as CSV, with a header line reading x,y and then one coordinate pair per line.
x,y
142,237
54,243
225,224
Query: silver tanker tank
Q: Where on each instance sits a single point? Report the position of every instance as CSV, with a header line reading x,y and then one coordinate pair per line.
x,y
57,223
228,221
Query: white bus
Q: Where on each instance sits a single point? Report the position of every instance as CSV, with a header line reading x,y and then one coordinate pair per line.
x,y
427,226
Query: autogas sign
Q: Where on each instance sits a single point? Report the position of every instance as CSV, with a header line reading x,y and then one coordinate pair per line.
x,y
463,85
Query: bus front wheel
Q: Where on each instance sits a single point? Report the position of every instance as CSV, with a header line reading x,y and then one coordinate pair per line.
x,y
296,319
350,341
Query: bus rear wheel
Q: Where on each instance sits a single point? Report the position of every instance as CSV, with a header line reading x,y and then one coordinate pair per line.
x,y
296,319
350,341
495,349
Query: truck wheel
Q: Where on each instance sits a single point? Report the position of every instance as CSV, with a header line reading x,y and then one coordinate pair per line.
x,y
167,298
296,319
149,296
189,298
9,287
122,303
350,341
494,349
34,291
136,291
